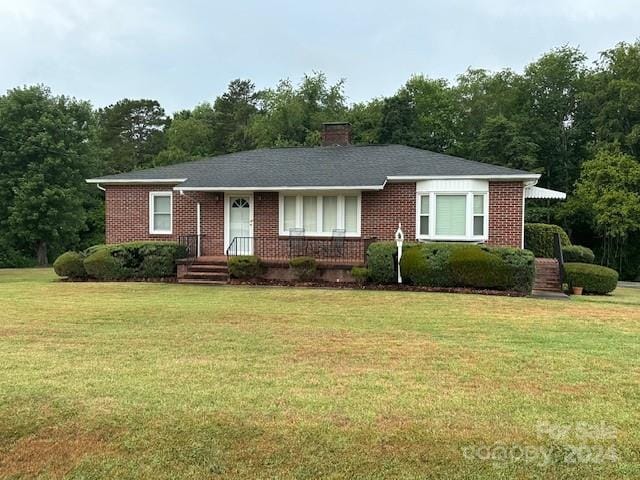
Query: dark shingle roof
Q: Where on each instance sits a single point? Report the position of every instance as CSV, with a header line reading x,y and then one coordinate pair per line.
x,y
341,166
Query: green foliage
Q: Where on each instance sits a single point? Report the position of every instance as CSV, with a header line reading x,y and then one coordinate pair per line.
x,y
132,131
360,274
578,254
539,238
303,268
608,194
460,265
245,266
45,154
293,115
133,260
101,265
380,262
70,264
429,264
475,267
593,278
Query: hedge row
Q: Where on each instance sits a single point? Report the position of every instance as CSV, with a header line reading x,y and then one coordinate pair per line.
x,y
539,238
577,254
121,261
592,278
454,265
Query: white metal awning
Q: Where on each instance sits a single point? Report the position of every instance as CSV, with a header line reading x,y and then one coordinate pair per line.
x,y
539,192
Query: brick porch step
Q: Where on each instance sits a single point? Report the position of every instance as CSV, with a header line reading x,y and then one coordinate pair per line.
x,y
207,271
547,275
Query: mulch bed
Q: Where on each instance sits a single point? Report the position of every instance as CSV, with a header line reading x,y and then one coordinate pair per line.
x,y
390,287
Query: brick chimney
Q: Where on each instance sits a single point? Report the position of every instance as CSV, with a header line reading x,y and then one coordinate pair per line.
x,y
336,133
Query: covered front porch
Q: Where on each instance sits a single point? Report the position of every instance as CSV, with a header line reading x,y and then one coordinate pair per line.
x,y
336,250
277,225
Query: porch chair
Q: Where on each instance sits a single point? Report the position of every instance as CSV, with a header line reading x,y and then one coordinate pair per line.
x,y
335,249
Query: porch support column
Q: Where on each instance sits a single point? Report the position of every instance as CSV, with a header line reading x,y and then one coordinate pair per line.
x,y
198,228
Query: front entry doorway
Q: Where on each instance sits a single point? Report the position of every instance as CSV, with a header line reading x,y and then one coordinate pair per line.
x,y
239,224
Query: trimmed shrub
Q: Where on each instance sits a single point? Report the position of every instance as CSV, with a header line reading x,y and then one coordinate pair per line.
x,y
429,264
70,265
577,254
304,268
101,265
157,266
475,266
245,266
122,261
360,274
538,237
380,261
593,278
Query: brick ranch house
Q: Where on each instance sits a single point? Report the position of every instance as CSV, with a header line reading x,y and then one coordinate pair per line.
x,y
326,201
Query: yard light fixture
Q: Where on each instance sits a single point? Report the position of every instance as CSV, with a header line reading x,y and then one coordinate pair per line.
x,y
399,239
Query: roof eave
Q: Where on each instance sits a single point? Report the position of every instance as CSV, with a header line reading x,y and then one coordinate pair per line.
x,y
513,177
279,188
134,181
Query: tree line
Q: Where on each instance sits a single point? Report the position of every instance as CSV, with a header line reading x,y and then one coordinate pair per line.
x,y
576,122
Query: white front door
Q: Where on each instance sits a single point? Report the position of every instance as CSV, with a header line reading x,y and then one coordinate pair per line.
x,y
240,224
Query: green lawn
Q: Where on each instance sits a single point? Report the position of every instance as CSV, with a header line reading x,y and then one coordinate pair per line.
x,y
134,380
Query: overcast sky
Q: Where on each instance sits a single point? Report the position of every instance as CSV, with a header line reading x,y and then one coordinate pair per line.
x,y
185,52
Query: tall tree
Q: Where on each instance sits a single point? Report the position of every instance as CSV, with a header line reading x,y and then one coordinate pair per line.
x,y
422,114
133,130
551,90
611,107
291,115
234,110
45,154
609,190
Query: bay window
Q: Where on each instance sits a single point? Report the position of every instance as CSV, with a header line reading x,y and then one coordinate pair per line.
x,y
452,216
320,214
160,218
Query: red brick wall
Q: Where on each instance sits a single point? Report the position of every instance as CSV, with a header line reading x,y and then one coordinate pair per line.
x,y
505,214
127,216
382,210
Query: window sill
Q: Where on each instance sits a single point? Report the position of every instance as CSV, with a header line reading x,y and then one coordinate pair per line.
x,y
452,239
161,233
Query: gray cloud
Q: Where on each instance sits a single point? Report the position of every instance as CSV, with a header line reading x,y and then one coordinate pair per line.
x,y
182,53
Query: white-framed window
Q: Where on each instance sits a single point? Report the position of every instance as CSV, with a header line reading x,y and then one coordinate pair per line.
x,y
319,214
453,216
160,216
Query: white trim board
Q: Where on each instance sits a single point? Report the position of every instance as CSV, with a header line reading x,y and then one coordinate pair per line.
x,y
152,195
133,182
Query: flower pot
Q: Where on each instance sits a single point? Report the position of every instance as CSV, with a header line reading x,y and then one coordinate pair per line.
x,y
576,290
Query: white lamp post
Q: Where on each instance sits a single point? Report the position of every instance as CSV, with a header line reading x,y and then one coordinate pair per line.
x,y
399,240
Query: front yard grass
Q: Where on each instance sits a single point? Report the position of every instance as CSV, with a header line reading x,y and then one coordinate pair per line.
x,y
135,380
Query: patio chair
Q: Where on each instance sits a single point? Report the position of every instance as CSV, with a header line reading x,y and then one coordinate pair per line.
x,y
297,242
335,249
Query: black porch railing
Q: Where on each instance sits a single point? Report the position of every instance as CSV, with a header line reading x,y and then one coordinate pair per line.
x,y
190,242
557,253
327,250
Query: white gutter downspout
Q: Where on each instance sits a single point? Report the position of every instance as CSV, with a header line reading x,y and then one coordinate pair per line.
x,y
198,232
100,187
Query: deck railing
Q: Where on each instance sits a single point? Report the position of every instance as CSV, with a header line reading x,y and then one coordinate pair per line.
x,y
557,252
327,250
190,242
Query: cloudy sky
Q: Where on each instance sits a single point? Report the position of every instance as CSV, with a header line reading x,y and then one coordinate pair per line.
x,y
184,52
